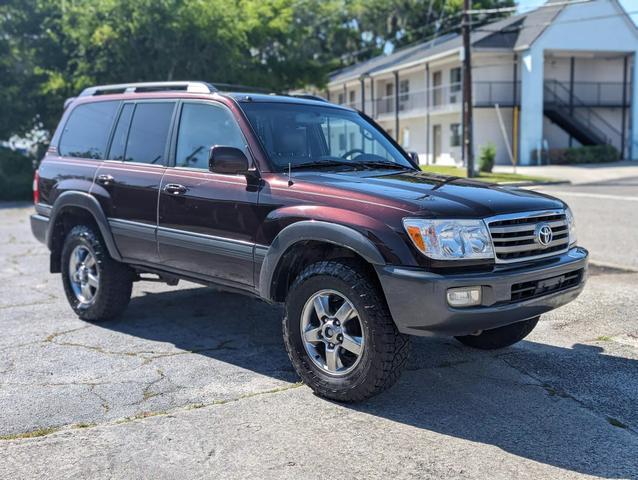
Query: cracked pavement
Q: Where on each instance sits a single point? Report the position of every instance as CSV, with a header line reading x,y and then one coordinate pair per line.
x,y
194,382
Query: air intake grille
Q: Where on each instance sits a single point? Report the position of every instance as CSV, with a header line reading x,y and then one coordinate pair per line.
x,y
516,237
537,288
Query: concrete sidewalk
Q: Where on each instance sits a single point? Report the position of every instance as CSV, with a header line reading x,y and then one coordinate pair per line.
x,y
578,174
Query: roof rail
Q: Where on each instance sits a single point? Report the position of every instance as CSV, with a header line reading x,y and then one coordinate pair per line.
x,y
189,87
308,96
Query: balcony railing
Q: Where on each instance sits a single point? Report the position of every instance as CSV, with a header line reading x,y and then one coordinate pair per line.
x,y
486,94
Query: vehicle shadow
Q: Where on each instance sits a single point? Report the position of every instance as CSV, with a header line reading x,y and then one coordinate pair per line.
x,y
573,408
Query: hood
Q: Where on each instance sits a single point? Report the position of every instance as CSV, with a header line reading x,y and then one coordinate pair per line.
x,y
430,195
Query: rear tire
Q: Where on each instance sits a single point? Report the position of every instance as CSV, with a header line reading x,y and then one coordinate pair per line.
x,y
97,287
339,372
500,337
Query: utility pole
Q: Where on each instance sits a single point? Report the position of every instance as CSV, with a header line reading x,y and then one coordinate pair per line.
x,y
467,90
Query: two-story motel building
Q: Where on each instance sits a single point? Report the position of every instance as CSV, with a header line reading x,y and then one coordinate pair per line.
x,y
558,76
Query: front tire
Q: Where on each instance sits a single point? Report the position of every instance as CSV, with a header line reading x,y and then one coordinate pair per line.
x,y
97,287
500,337
339,334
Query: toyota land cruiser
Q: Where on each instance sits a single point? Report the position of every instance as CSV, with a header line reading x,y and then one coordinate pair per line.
x,y
299,201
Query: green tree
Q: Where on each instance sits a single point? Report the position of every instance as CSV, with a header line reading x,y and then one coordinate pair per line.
x,y
51,49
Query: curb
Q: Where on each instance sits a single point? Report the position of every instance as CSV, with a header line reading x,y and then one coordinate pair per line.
x,y
535,184
612,266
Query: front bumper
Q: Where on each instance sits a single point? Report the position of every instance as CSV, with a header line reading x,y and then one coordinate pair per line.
x,y
418,303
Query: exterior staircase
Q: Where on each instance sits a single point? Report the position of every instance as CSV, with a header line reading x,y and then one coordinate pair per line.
x,y
575,117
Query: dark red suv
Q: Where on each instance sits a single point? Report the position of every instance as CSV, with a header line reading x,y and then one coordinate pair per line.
x,y
299,201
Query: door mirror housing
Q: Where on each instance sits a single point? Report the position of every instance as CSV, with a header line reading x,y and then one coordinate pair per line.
x,y
415,157
227,160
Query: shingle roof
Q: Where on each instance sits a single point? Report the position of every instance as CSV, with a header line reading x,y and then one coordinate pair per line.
x,y
511,33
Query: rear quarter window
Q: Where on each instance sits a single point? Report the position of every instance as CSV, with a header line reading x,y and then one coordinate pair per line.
x,y
87,130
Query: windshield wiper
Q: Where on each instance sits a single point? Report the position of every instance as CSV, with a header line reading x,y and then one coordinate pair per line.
x,y
382,164
324,163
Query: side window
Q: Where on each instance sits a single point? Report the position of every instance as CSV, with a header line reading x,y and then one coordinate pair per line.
x,y
87,130
201,126
148,133
118,146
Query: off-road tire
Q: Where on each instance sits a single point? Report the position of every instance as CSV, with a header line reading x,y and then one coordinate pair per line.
x,y
500,337
385,349
115,279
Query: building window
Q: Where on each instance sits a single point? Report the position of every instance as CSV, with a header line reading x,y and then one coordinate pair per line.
x,y
340,99
404,90
351,99
455,135
455,79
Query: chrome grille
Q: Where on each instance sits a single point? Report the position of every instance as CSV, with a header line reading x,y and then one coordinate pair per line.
x,y
515,237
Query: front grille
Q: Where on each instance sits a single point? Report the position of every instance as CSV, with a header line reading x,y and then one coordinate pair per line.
x,y
537,288
515,237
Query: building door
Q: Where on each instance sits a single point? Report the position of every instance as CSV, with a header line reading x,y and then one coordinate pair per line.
x,y
436,142
437,79
389,97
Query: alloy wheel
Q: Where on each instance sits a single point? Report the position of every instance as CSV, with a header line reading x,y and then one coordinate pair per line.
x,y
332,333
84,275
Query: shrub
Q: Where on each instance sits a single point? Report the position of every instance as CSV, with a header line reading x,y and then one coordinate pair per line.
x,y
576,155
486,158
16,175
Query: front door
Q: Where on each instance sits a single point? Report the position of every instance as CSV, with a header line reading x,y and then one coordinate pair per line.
x,y
207,221
127,183
436,142
437,89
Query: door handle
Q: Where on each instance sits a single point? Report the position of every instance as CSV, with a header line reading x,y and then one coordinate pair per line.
x,y
175,189
105,179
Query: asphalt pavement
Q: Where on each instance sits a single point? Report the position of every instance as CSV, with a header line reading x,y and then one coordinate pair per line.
x,y
606,215
195,383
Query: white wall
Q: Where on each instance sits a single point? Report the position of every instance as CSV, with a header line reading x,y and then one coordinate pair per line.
x,y
596,26
487,130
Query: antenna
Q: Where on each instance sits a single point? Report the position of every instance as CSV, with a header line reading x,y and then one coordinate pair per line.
x,y
290,182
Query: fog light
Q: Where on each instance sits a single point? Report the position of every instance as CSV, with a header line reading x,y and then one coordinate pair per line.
x,y
464,296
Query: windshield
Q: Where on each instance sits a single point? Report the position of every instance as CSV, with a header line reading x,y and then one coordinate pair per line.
x,y
310,136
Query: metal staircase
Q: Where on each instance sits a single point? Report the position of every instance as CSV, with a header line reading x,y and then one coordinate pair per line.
x,y
576,118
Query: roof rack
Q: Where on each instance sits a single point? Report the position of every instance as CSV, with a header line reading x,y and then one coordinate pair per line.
x,y
189,87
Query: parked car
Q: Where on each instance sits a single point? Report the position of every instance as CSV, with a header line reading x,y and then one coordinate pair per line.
x,y
298,201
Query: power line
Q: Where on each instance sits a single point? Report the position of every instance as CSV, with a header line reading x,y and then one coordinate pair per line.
x,y
561,22
513,9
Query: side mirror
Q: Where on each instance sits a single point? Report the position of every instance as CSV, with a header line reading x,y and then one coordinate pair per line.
x,y
227,160
415,157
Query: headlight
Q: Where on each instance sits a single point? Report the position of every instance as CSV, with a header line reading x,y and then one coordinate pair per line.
x,y
450,239
571,225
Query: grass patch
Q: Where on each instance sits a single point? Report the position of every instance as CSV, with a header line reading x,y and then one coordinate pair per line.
x,y
604,338
495,177
40,432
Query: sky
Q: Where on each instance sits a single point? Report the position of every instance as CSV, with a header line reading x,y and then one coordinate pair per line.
x,y
630,6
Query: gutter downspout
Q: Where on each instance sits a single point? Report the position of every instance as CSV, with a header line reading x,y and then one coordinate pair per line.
x,y
427,113
396,106
363,94
623,127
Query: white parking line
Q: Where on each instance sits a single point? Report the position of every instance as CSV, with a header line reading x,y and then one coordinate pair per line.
x,y
592,195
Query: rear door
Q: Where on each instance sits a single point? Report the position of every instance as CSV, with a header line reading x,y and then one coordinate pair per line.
x,y
207,221
127,184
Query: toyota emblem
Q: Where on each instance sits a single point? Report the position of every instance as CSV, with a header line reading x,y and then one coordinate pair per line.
x,y
544,234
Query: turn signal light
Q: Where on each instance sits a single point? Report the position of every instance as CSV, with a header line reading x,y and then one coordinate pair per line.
x,y
417,238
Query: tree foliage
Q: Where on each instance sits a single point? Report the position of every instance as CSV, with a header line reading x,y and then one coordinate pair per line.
x,y
51,49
